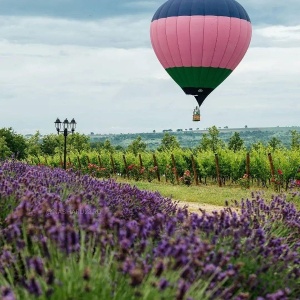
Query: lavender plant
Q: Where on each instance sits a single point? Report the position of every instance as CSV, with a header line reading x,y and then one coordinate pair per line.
x,y
67,236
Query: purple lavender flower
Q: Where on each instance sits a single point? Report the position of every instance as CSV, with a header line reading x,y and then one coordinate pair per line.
x,y
7,294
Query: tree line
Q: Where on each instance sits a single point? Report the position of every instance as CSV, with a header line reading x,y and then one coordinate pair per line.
x,y
14,144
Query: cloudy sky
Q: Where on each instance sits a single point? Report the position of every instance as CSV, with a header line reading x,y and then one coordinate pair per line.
x,y
92,60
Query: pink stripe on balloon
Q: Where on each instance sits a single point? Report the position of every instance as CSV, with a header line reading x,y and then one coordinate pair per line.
x,y
163,41
243,39
197,36
223,36
184,40
245,47
234,36
171,30
207,41
210,39
156,45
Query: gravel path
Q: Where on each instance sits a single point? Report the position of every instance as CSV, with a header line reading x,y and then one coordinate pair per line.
x,y
194,207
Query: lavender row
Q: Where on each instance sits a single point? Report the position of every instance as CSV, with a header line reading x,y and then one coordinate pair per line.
x,y
142,245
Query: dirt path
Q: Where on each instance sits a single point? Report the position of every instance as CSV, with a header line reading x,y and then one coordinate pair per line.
x,y
194,207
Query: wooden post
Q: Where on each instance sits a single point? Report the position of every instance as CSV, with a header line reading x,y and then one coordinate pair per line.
x,y
155,165
194,170
218,169
175,169
70,163
126,167
166,176
112,164
88,159
248,165
61,161
141,162
248,168
79,163
271,165
100,162
46,162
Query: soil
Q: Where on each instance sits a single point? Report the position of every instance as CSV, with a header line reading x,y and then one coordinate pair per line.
x,y
194,207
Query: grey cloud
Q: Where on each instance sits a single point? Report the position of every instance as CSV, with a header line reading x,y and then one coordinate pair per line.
x,y
272,12
119,32
276,36
260,12
118,90
75,9
125,32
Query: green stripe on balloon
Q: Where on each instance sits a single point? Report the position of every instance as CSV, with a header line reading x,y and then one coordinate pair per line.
x,y
198,77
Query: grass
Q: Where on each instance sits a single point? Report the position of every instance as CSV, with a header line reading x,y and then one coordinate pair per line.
x,y
202,194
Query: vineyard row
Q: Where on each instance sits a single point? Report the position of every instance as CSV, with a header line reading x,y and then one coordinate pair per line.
x,y
180,165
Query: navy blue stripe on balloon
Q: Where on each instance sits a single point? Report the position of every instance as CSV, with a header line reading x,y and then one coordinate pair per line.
x,y
176,8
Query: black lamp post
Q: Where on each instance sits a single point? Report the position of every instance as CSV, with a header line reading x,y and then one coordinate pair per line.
x,y
65,127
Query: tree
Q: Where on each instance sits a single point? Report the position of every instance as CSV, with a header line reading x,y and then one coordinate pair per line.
x,y
137,146
205,143
34,145
211,140
119,148
257,146
275,143
97,145
4,149
168,142
214,136
77,142
15,142
295,143
50,143
235,142
54,143
108,146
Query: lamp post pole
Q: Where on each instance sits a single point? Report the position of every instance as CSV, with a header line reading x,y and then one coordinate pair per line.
x,y
68,127
65,148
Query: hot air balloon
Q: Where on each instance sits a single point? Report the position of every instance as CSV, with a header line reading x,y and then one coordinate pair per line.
x,y
200,42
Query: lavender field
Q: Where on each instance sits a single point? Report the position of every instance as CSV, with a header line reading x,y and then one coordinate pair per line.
x,y
69,236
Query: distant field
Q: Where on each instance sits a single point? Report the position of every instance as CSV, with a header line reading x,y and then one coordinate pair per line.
x,y
204,195
191,137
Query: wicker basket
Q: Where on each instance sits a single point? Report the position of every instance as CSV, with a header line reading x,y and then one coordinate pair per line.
x,y
196,117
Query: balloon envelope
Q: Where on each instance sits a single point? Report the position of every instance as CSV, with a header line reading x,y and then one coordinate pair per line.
x,y
200,42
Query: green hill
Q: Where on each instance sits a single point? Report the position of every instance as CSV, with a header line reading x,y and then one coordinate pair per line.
x,y
191,138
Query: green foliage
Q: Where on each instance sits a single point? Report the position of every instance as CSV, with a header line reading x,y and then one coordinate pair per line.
x,y
34,145
286,161
235,142
168,143
137,146
260,167
54,143
4,149
214,137
275,143
205,143
78,142
50,143
295,142
211,141
108,147
16,143
257,146
244,181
